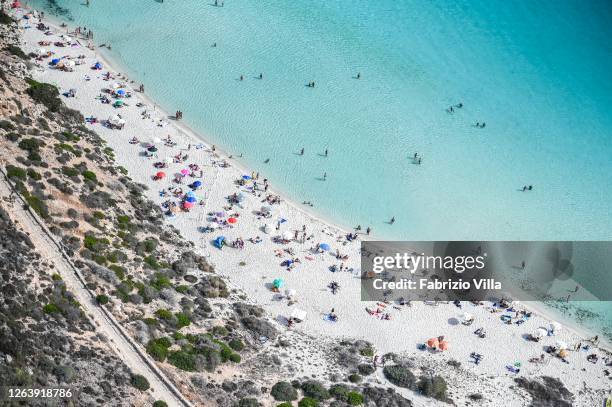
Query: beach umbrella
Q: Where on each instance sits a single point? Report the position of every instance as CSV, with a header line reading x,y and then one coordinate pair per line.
x,y
287,235
444,345
197,184
278,283
188,205
433,342
290,292
561,345
219,242
70,63
160,174
232,220
540,333
467,316
191,199
324,246
220,214
157,140
563,353
121,92
555,326
185,171
116,85
266,209
168,160
190,193
152,149
267,228
246,177
97,65
16,4
55,61
298,314
41,51
118,103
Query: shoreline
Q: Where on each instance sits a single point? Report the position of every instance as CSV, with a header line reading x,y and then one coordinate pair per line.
x,y
538,307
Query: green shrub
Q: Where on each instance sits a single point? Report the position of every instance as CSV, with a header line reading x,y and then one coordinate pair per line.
x,y
355,378
140,382
44,93
160,403
248,402
181,288
434,387
163,314
308,402
400,376
234,357
161,281
8,126
90,176
119,271
182,320
158,348
219,331
285,404
34,175
16,172
29,144
102,299
18,52
151,261
315,390
284,391
98,215
367,351
100,259
183,360
34,156
5,19
56,277
69,171
354,398
37,205
236,344
150,245
51,309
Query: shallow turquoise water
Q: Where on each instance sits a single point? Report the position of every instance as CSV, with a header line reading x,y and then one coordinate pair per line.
x,y
538,74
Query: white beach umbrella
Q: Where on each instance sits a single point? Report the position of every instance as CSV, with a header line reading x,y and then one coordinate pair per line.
x,y
267,228
266,209
157,140
41,51
540,333
290,292
467,316
168,160
287,235
561,345
69,63
555,326
298,314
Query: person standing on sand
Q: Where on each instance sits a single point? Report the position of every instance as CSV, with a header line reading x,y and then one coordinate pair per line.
x,y
392,221
326,152
302,151
368,230
324,176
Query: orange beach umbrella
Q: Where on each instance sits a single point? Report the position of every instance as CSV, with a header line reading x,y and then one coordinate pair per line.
x,y
444,345
433,342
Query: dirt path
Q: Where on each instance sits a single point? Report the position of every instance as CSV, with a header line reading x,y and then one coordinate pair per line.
x,y
130,352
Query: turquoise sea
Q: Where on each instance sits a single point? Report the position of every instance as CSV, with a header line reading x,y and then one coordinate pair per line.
x,y
536,72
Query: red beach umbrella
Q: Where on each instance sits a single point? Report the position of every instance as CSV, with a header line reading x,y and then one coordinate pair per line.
x,y
160,174
433,342
232,220
444,345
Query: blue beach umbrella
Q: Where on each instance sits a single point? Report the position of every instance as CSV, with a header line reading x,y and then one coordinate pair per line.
x,y
324,246
121,92
97,65
246,177
219,242
55,61
197,184
191,199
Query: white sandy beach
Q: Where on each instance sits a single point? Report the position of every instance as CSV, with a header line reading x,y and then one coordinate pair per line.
x,y
253,268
